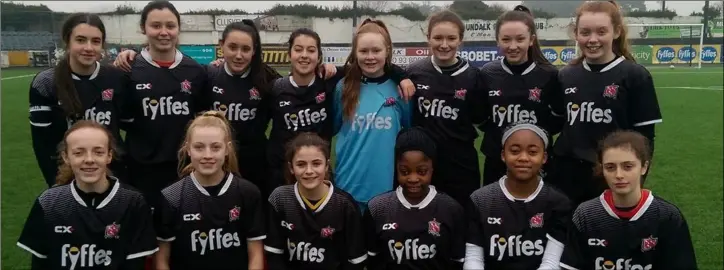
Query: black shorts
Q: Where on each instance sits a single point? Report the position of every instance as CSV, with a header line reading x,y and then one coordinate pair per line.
x,y
576,179
150,179
457,172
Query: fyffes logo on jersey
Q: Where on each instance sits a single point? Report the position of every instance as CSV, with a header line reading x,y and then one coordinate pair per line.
x,y
587,113
84,256
686,54
305,252
410,250
550,54
512,114
665,54
568,54
437,108
619,264
709,54
164,106
102,117
304,118
234,111
371,121
215,239
514,246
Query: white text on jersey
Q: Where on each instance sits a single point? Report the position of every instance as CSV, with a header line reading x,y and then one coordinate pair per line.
x,y
512,114
587,113
103,118
234,111
166,105
191,217
304,118
436,107
620,264
216,239
411,250
514,247
371,121
305,252
87,254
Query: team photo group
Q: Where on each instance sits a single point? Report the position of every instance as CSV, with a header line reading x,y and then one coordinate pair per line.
x,y
158,162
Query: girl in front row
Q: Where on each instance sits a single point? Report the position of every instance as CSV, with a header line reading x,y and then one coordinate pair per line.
x,y
626,227
89,219
415,226
211,217
520,221
313,224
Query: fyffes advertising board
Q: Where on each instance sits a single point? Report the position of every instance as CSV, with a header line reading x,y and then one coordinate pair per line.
x,y
684,54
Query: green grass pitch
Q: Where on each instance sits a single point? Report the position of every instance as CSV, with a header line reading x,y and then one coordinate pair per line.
x,y
687,169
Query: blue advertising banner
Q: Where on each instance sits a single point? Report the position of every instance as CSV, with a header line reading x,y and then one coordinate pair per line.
x,y
201,53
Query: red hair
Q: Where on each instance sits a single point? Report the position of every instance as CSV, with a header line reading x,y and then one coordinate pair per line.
x,y
621,44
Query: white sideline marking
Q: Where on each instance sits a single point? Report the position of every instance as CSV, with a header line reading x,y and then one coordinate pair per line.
x,y
707,88
17,77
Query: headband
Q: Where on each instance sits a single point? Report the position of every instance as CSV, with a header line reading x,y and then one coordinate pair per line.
x,y
537,130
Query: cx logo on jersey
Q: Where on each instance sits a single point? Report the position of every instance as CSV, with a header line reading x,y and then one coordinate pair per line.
x,y
284,103
495,221
192,217
570,90
422,87
389,226
620,264
410,250
594,242
287,225
218,90
143,86
494,93
84,256
63,229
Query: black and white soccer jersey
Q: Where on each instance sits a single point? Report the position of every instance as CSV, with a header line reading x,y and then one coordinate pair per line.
x,y
330,237
298,109
101,95
429,235
70,234
447,104
653,235
242,103
210,230
162,102
513,233
514,98
620,96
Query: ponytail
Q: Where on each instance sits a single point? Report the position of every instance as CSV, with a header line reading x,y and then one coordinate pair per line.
x,y
67,95
523,14
209,119
261,73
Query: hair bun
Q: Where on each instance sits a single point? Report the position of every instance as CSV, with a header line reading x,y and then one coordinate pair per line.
x,y
522,8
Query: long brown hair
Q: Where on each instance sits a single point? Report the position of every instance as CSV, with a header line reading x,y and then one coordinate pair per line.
x,y
620,45
522,14
65,172
208,119
632,140
308,139
353,78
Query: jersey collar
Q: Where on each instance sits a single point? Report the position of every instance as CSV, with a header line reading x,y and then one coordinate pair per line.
x,y
461,70
291,80
203,190
430,195
147,56
105,201
507,194
606,68
324,203
606,199
243,75
507,69
92,76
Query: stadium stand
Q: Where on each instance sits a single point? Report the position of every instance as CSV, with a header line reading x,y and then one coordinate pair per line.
x,y
26,41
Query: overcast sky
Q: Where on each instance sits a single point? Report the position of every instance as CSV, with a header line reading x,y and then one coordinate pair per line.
x,y
683,8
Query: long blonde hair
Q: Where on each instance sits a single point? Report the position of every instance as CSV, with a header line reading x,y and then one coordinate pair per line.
x,y
208,119
65,172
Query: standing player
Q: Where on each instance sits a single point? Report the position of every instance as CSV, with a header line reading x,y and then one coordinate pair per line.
x,y
90,220
368,114
518,222
518,87
77,88
211,218
313,225
448,101
604,90
626,227
167,90
415,227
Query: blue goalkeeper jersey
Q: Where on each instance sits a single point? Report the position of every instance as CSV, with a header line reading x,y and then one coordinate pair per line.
x,y
366,143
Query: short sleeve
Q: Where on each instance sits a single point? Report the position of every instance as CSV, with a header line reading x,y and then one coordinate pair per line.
x,y
255,212
143,242
165,221
643,105
474,232
354,236
275,241
560,217
34,236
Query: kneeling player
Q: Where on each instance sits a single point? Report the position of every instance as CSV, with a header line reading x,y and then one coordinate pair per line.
x,y
212,218
89,220
519,222
313,224
415,227
626,227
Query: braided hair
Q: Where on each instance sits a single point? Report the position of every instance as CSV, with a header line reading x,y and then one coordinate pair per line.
x,y
415,139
